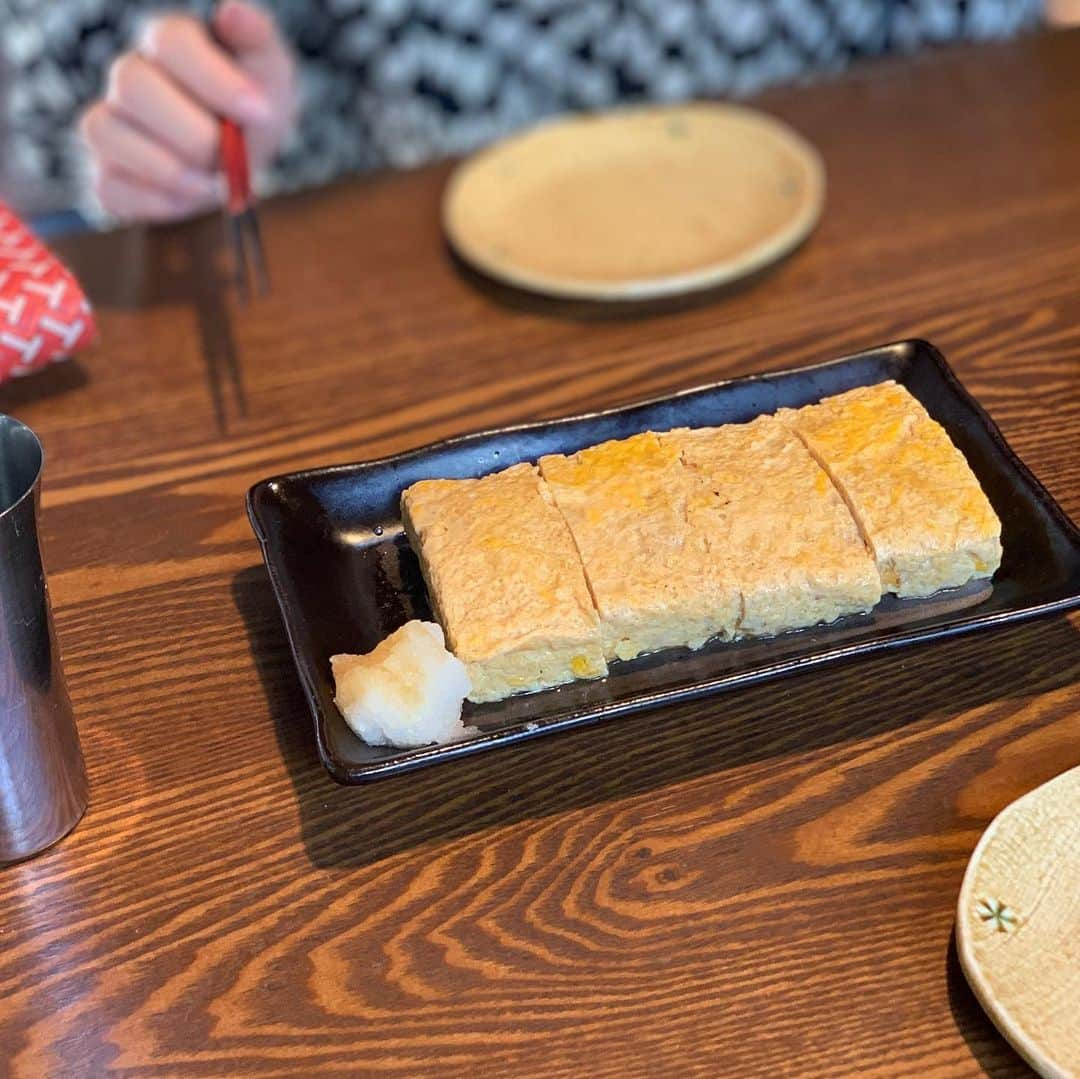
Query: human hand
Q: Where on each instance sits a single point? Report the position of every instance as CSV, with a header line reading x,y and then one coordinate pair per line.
x,y
153,138
1061,13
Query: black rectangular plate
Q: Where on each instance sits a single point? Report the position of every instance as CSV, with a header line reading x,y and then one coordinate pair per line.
x,y
345,577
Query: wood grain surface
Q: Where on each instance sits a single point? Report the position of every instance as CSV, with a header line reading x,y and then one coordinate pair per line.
x,y
763,883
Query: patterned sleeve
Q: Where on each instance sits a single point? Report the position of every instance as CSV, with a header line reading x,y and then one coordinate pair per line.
x,y
395,83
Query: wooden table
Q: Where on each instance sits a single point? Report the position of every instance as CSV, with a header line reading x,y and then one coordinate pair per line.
x,y
760,883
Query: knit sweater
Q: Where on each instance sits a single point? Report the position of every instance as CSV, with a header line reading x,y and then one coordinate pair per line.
x,y
395,83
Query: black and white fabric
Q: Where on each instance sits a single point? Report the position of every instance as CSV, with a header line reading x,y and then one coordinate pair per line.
x,y
395,83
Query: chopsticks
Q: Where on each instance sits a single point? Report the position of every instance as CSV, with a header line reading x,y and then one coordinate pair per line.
x,y
241,222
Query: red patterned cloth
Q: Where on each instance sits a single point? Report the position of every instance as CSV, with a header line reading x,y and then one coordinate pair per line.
x,y
44,315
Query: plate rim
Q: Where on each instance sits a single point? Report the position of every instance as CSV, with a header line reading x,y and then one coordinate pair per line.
x,y
1016,1035
630,290
901,636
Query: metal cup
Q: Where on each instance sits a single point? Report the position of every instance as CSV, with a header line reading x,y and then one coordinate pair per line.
x,y
43,786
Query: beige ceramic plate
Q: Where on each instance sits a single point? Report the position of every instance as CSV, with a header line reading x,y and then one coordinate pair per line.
x,y
1018,925
636,204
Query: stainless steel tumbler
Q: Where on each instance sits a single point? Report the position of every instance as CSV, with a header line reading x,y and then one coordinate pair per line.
x,y
43,787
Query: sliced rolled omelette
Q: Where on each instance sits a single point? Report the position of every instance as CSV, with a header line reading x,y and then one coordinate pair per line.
x,y
918,504
505,581
774,525
651,575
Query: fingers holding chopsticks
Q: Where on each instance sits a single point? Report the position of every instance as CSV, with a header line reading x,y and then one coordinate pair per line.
x,y
130,198
183,52
166,174
154,136
252,40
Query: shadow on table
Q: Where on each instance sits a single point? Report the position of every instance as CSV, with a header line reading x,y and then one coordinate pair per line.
x,y
573,310
996,1057
170,265
53,381
353,826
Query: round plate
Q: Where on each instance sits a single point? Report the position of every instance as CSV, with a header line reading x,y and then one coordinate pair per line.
x,y
637,203
1018,925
